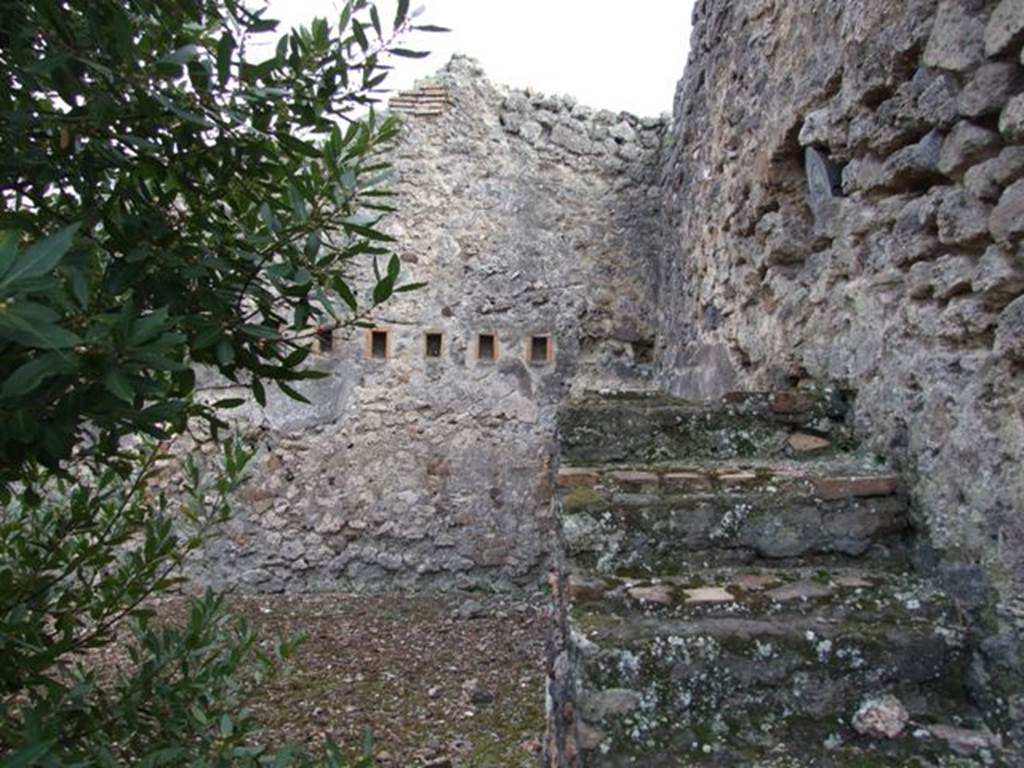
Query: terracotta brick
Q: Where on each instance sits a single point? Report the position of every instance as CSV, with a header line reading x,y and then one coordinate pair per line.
x,y
686,481
737,478
574,478
583,590
833,488
792,402
806,443
635,481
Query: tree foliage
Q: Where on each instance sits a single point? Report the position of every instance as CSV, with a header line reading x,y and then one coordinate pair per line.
x,y
179,189
175,195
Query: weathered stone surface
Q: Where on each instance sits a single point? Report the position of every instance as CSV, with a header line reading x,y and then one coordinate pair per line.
x,y
951,276
1010,331
964,741
884,717
1007,221
1011,120
436,473
957,38
987,180
962,219
799,590
999,276
938,379
966,145
851,487
1005,28
989,89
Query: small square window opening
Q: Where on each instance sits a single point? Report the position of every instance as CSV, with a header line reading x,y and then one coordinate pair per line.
x,y
540,349
434,345
486,347
379,345
325,340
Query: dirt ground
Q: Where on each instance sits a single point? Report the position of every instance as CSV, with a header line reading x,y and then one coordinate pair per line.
x,y
447,682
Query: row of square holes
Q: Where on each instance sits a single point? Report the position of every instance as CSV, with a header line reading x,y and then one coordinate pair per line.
x,y
539,349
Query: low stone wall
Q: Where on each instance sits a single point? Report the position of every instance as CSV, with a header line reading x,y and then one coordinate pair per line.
x,y
528,216
845,192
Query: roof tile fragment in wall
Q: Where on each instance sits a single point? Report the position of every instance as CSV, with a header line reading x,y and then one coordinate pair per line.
x,y
428,101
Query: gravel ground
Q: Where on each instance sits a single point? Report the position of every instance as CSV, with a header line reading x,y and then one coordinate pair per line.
x,y
441,681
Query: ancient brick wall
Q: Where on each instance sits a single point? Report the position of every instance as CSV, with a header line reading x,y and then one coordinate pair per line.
x,y
845,201
529,217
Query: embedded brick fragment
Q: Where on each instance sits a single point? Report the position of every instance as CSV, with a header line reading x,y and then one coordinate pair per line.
x,y
575,478
834,488
708,596
657,594
805,443
686,481
792,402
635,481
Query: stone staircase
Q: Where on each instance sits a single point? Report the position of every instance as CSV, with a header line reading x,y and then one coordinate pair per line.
x,y
734,587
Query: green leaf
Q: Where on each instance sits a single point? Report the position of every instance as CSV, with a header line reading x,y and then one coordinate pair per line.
x,y
225,48
294,394
29,333
343,290
401,13
360,35
406,53
298,203
29,756
298,146
225,352
117,384
40,257
33,373
182,55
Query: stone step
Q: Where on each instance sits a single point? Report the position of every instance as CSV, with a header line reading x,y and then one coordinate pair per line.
x,y
663,517
642,427
722,667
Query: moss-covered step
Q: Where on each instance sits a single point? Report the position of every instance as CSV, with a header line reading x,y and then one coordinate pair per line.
x,y
761,668
602,429
660,517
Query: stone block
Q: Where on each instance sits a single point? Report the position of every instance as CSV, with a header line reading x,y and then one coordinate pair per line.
x,y
966,145
952,276
1010,331
1005,28
1007,220
834,488
989,89
911,167
987,180
957,41
921,280
1011,120
962,219
1000,276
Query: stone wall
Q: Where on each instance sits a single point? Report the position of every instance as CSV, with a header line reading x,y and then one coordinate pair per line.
x,y
845,201
526,215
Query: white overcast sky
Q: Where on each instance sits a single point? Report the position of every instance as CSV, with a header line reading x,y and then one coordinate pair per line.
x,y
612,54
